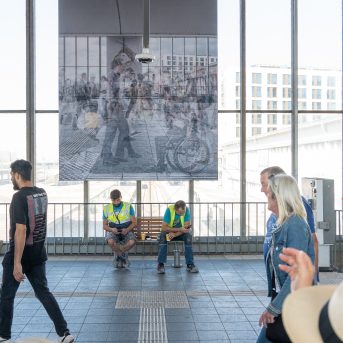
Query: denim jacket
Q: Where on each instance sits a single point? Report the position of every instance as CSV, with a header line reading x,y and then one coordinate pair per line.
x,y
293,233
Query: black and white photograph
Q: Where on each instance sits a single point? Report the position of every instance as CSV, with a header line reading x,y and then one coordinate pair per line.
x,y
119,116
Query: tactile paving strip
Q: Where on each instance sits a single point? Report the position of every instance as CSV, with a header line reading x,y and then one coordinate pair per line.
x,y
152,325
152,299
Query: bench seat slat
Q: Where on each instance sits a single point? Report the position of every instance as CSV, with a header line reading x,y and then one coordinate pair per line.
x,y
151,226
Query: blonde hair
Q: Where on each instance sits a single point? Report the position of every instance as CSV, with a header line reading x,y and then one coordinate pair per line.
x,y
286,192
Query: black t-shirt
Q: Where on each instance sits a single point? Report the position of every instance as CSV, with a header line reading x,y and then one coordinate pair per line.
x,y
29,207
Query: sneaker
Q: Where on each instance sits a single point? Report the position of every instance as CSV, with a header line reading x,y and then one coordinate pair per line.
x,y
192,268
117,262
160,268
67,338
125,260
6,340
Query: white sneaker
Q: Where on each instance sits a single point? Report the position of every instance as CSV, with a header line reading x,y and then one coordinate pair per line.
x,y
5,340
67,338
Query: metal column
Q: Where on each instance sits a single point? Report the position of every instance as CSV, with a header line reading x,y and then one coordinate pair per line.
x,y
243,117
85,213
139,198
30,86
294,60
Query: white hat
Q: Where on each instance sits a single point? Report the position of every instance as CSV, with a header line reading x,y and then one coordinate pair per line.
x,y
314,314
33,340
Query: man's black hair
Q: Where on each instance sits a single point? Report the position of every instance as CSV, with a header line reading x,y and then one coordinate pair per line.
x,y
23,168
180,204
115,194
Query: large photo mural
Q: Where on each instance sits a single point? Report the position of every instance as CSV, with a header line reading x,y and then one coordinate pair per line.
x,y
126,120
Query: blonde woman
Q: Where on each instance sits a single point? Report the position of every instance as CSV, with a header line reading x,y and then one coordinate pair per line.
x,y
291,230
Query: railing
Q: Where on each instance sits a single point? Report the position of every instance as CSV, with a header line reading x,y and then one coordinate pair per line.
x,y
216,228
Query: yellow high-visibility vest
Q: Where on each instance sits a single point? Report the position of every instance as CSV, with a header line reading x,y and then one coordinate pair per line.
x,y
123,215
172,216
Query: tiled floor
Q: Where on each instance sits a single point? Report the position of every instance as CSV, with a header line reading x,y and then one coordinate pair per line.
x,y
101,304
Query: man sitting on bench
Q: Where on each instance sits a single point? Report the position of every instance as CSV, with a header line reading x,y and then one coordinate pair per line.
x,y
119,220
176,224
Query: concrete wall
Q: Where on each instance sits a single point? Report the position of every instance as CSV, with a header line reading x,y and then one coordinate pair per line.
x,y
176,17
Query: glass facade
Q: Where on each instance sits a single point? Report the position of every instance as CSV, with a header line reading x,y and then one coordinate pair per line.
x,y
268,89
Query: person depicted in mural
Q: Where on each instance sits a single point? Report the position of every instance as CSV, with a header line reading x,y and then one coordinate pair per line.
x,y
68,101
118,221
27,256
176,226
169,116
148,103
132,94
82,92
123,67
124,139
103,97
93,89
111,122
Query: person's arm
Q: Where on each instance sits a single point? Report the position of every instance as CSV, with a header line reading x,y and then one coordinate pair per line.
x,y
107,228
133,224
19,245
165,223
167,228
299,267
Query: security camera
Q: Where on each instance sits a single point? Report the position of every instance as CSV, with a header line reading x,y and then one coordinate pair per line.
x,y
145,56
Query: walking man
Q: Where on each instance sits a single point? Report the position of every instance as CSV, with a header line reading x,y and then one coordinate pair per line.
x,y
118,221
27,255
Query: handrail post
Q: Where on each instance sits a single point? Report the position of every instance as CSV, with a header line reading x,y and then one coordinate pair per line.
x,y
191,199
139,198
85,210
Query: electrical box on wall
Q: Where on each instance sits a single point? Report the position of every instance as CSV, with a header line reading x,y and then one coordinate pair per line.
x,y
320,194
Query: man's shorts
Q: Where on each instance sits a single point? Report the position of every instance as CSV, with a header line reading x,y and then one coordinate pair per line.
x,y
123,239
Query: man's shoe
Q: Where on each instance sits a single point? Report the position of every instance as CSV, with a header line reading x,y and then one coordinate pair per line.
x,y
160,268
6,340
126,263
117,262
67,338
192,268
125,259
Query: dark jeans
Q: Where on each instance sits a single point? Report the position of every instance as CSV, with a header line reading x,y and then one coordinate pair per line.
x,y
37,277
162,247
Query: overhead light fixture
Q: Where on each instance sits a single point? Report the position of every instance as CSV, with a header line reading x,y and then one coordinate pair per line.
x,y
146,56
